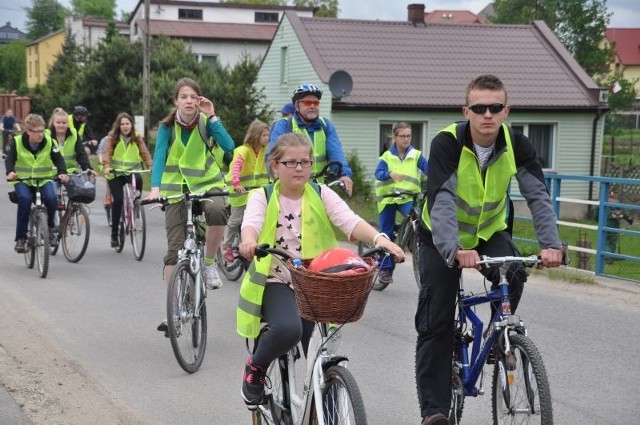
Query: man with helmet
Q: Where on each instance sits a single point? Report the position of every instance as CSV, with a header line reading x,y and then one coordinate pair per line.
x,y
306,120
78,121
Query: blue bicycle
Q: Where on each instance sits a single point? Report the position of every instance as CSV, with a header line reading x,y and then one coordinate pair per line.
x,y
520,390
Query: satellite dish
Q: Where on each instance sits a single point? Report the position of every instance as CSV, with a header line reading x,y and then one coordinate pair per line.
x,y
340,84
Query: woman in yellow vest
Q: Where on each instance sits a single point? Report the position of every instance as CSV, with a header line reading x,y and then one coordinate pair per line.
x,y
188,140
398,169
125,150
296,218
248,170
33,155
67,140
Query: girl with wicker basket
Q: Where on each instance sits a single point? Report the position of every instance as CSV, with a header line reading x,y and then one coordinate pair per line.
x,y
295,216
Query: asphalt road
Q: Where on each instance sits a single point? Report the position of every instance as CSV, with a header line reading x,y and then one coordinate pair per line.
x,y
103,311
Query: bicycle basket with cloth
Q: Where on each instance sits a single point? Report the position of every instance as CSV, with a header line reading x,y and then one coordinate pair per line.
x,y
80,188
331,297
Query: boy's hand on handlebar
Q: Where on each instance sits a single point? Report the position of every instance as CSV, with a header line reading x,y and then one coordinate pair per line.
x,y
468,258
12,176
550,258
395,250
348,184
63,178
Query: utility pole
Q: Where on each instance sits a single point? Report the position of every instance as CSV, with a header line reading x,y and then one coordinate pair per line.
x,y
146,59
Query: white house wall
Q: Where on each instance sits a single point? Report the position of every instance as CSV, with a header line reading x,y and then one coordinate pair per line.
x,y
229,53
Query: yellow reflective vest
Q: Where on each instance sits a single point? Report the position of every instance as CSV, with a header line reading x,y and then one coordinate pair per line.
x,y
79,131
193,165
482,204
68,149
317,236
126,156
252,175
38,166
319,143
408,167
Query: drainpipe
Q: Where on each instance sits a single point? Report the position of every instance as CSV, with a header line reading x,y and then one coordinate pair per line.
x,y
592,167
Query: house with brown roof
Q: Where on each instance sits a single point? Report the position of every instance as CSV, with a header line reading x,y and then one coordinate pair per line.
x,y
417,72
625,43
217,33
453,17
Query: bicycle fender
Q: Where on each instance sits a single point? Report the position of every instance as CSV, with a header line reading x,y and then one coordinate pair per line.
x,y
333,361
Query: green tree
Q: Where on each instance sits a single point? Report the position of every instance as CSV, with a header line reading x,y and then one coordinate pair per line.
x,y
13,65
44,17
578,24
102,9
625,93
325,8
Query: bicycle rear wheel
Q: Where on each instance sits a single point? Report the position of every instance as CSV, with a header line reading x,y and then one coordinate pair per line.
x,y
138,230
41,244
232,270
76,229
341,399
520,390
188,334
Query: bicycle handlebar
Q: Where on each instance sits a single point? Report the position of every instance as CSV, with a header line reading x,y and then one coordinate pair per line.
x,y
331,171
128,172
263,250
529,261
164,200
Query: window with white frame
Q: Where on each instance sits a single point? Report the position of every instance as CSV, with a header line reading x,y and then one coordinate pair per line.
x,y
386,135
266,17
284,65
543,138
211,60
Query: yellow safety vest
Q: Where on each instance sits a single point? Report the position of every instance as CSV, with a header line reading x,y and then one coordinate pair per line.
x,y
481,203
317,236
411,183
38,166
72,126
319,143
68,149
126,156
192,165
253,173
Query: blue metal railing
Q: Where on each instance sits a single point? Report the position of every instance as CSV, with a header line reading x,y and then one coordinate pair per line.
x,y
554,182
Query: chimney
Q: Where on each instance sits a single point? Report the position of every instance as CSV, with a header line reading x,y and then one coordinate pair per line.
x,y
416,13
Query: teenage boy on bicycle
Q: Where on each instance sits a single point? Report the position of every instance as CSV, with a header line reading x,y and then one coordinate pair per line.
x,y
470,168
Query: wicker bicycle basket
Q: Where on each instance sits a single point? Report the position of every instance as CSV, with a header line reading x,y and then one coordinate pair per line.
x,y
331,298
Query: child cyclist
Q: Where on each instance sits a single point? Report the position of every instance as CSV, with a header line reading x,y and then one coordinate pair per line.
x,y
248,169
296,218
398,170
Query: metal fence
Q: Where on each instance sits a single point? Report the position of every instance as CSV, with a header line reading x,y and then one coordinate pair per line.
x,y
602,242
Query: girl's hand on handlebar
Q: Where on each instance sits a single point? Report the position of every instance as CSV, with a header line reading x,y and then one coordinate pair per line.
x,y
395,250
153,194
550,258
348,184
248,249
468,258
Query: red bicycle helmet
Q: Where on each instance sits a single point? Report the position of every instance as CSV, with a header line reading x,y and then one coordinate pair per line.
x,y
338,260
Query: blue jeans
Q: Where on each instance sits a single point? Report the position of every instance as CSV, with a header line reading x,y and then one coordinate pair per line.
x,y
26,196
387,219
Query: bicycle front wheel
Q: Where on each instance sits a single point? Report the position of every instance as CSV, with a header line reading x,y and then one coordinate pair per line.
x,y
188,333
76,229
138,230
30,253
415,258
41,244
520,390
341,399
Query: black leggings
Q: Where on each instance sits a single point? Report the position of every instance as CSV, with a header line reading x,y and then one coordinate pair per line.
x,y
117,193
286,327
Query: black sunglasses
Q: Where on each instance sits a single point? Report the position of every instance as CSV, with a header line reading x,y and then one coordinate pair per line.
x,y
482,109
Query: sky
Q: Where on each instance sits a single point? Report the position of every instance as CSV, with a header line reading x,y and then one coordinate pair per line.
x,y
626,13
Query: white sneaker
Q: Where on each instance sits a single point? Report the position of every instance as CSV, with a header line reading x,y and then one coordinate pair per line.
x,y
211,277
